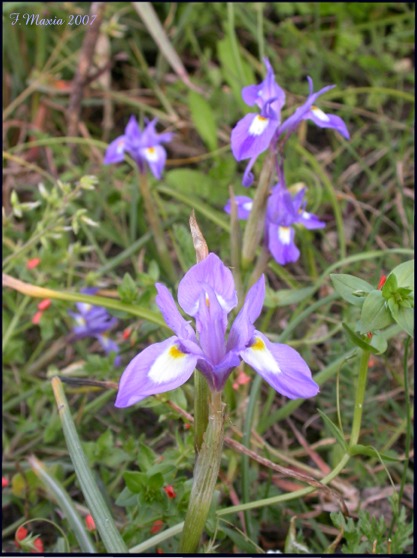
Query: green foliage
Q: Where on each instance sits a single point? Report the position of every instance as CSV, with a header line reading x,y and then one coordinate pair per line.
x,y
87,225
370,534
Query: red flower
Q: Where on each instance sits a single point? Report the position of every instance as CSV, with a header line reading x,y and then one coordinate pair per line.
x,y
34,262
4,482
169,491
38,544
44,304
90,523
21,534
381,282
126,333
157,526
37,317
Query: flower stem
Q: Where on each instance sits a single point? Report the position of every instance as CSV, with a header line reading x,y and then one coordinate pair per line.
x,y
205,476
359,398
156,228
201,409
256,222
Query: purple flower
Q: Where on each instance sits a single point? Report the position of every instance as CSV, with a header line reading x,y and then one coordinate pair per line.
x,y
283,211
94,321
243,204
207,293
253,134
308,111
144,147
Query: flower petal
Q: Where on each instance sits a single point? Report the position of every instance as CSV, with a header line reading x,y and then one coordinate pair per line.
x,y
171,314
155,156
324,120
281,244
242,328
115,152
243,204
211,271
133,131
158,368
211,321
310,221
281,366
252,135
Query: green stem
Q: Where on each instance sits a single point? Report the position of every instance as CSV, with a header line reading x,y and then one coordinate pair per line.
x,y
201,409
359,398
155,225
255,224
407,436
206,471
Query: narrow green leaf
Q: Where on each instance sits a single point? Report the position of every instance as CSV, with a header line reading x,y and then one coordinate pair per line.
x,y
284,297
65,503
369,451
350,288
97,505
360,342
333,429
203,119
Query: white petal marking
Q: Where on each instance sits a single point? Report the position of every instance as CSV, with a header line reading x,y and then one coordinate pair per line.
x,y
258,126
168,365
264,358
318,113
284,234
151,154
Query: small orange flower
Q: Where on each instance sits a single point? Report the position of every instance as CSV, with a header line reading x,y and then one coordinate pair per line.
x,y
169,491
34,262
90,523
241,380
381,282
44,304
126,333
37,317
157,526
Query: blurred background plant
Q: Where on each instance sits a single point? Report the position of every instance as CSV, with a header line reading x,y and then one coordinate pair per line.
x,y
70,222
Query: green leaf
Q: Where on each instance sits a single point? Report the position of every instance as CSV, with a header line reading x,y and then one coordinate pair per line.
x,y
127,290
333,429
135,481
203,119
379,343
350,288
375,314
231,72
390,286
361,343
403,316
284,297
404,274
369,451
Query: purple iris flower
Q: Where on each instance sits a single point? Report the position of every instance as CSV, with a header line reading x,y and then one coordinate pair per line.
x,y
309,111
243,204
94,321
144,147
283,211
207,293
255,133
